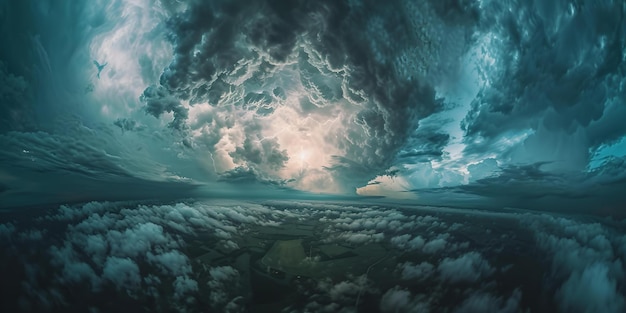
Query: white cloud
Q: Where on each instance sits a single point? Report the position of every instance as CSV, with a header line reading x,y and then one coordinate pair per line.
x,y
331,296
397,300
32,235
591,290
184,285
343,290
137,240
485,302
97,247
73,270
114,245
223,285
469,267
122,272
68,212
171,262
7,230
583,263
435,245
222,274
411,271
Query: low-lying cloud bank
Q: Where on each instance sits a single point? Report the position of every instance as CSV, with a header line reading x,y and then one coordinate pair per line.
x,y
513,262
511,101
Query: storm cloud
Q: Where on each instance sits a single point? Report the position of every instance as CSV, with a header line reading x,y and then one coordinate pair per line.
x,y
280,62
499,102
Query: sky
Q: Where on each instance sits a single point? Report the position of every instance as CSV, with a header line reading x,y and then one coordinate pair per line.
x,y
456,102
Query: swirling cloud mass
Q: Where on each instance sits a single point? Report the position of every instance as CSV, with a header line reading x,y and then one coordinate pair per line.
x,y
505,103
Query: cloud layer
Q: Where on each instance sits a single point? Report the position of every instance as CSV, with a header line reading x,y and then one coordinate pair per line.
x,y
193,256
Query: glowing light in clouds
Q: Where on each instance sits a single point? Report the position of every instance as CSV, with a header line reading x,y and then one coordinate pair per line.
x,y
334,98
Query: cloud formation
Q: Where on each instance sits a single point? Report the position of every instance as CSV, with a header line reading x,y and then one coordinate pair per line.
x,y
314,104
161,253
586,259
486,103
92,163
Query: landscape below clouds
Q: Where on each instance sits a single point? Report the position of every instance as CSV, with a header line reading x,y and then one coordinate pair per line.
x,y
339,257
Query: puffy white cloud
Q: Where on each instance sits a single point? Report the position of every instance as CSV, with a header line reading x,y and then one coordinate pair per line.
x,y
172,262
485,302
122,272
411,271
97,247
435,245
342,296
469,267
584,264
401,300
591,290
223,286
73,270
406,242
32,234
184,285
585,256
7,230
137,240
344,290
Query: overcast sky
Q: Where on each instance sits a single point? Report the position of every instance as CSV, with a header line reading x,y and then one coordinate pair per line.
x,y
476,103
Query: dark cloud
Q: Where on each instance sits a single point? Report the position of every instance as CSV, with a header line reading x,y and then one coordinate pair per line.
x,y
42,167
44,152
424,145
523,181
326,96
469,267
556,70
363,52
126,124
243,175
159,100
262,152
485,302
